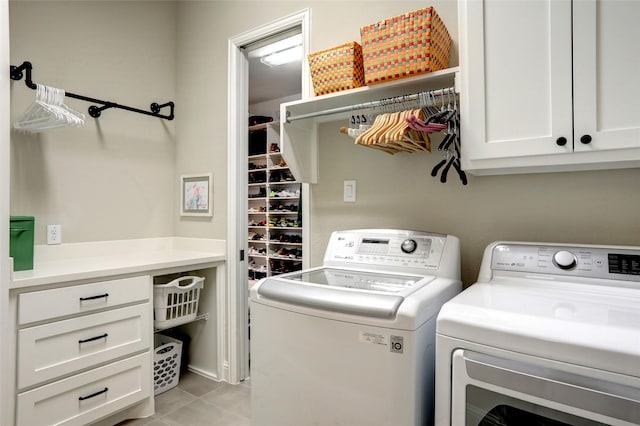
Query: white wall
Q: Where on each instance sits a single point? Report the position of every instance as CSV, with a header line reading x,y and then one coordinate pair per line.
x,y
114,177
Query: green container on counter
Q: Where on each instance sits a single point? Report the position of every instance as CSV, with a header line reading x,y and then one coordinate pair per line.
x,y
21,242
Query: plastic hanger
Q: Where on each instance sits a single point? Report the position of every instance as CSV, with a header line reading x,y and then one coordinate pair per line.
x,y
48,112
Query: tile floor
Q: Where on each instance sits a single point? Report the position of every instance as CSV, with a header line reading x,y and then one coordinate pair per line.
x,y
197,401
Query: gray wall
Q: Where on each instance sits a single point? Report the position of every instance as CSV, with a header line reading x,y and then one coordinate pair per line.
x,y
113,178
118,177
398,191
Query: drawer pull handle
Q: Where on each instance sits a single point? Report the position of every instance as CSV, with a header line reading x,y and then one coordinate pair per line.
x,y
100,296
91,339
100,392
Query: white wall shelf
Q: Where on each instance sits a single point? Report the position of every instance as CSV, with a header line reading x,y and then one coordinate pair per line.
x,y
298,139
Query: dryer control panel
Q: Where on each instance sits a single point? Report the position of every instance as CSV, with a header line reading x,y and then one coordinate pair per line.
x,y
614,263
388,248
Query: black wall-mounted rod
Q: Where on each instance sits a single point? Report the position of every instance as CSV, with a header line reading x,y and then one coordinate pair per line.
x,y
94,111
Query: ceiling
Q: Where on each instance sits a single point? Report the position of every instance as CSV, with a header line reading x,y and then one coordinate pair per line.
x,y
268,83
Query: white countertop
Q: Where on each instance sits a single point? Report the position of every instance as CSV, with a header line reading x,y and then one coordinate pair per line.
x,y
78,261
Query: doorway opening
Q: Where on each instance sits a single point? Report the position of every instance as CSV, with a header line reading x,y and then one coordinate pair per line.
x,y
254,81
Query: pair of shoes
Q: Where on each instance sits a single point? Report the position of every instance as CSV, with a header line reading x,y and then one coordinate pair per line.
x,y
282,208
258,177
260,209
253,266
257,252
281,176
262,192
284,266
294,253
254,236
285,193
274,148
287,238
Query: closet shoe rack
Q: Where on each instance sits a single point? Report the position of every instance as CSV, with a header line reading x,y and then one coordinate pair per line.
x,y
94,111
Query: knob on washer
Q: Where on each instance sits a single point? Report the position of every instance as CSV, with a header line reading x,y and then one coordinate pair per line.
x,y
564,259
409,246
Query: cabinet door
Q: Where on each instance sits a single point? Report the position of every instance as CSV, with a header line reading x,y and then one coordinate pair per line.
x,y
607,74
515,60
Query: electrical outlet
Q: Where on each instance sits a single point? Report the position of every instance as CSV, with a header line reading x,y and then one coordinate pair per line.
x,y
54,234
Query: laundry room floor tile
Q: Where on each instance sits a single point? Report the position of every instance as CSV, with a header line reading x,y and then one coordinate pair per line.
x,y
198,401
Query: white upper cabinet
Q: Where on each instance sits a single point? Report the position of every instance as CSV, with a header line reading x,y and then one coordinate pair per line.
x,y
606,63
537,77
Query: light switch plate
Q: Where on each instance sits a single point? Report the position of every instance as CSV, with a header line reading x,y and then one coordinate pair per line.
x,y
349,191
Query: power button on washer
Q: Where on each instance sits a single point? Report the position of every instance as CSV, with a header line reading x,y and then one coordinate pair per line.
x,y
565,260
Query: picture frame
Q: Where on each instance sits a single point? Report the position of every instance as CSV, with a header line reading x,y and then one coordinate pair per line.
x,y
196,195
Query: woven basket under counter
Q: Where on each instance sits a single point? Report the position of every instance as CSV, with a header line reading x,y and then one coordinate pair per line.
x,y
409,44
336,69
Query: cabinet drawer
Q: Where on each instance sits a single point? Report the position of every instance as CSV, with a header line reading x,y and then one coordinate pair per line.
x,y
86,397
57,302
63,347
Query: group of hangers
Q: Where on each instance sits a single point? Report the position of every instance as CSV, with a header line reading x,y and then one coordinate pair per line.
x,y
449,117
48,111
408,130
390,132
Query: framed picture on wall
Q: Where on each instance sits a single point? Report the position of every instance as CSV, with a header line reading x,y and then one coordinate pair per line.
x,y
196,195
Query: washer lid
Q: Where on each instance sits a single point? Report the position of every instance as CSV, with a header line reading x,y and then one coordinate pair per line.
x,y
343,290
590,325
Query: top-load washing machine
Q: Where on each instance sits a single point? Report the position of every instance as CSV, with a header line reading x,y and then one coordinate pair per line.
x,y
549,335
351,343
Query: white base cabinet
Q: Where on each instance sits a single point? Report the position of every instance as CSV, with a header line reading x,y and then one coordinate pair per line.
x,y
83,351
51,350
86,397
549,85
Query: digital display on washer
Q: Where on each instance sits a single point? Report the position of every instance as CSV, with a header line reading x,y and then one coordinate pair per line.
x,y
626,264
373,246
374,241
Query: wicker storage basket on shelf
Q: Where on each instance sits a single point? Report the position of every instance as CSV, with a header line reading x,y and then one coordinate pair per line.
x,y
338,68
409,44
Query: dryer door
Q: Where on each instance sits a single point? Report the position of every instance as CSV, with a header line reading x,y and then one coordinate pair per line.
x,y
492,391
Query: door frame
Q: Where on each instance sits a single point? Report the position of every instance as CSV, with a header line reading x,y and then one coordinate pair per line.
x,y
6,392
237,306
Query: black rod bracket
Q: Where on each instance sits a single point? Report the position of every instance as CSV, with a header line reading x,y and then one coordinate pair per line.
x,y
18,72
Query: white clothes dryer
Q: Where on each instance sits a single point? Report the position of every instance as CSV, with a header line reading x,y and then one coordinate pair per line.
x,y
549,335
352,342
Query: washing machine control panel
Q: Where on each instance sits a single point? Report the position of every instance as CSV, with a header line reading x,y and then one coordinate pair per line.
x,y
615,263
406,249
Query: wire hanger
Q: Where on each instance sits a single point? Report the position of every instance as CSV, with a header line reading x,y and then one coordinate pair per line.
x,y
94,111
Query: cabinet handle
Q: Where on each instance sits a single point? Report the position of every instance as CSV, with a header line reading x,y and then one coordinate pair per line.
x,y
100,392
91,339
585,139
100,296
561,141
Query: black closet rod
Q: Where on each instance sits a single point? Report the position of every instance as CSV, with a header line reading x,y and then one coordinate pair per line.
x,y
94,111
